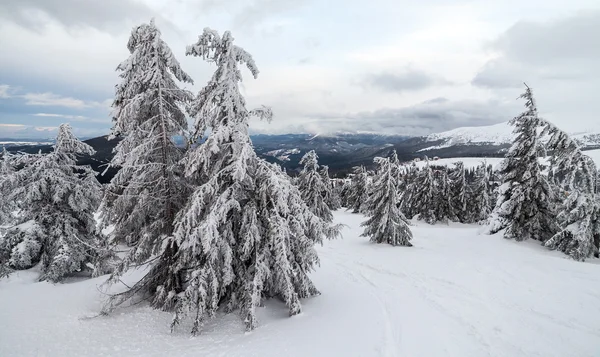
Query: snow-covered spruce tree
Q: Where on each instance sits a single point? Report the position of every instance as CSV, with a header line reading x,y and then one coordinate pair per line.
x,y
408,176
359,189
480,195
386,223
458,193
524,206
332,191
442,206
575,178
245,233
345,193
59,198
421,196
313,187
6,173
143,198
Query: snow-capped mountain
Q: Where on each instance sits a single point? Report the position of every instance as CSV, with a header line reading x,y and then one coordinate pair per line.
x,y
493,135
497,134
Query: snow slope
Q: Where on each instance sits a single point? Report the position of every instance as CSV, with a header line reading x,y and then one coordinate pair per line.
x,y
471,162
594,155
455,293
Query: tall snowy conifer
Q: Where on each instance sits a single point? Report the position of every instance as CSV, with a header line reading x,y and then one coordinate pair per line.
x,y
58,199
575,178
143,198
480,195
420,196
357,197
386,224
458,192
245,233
6,173
442,206
332,191
524,206
313,187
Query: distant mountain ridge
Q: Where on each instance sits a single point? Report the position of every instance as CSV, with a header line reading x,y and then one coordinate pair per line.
x,y
342,151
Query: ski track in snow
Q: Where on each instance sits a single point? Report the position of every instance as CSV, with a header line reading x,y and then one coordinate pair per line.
x,y
454,293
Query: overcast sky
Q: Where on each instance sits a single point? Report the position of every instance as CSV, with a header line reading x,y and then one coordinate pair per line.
x,y
393,66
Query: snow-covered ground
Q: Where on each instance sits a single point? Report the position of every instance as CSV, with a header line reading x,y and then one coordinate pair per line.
x,y
595,155
455,293
470,162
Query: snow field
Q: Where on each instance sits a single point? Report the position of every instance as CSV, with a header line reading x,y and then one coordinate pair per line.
x,y
455,293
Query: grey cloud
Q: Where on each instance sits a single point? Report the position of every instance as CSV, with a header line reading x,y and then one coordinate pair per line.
x,y
409,80
259,10
563,50
105,15
501,73
434,115
572,38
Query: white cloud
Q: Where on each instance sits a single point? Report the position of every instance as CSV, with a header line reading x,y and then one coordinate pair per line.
x,y
4,91
52,115
77,118
51,99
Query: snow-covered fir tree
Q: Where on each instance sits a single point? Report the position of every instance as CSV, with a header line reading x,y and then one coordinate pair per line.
x,y
57,200
345,193
420,196
313,187
332,191
245,234
442,206
144,196
575,178
480,195
6,173
359,190
458,193
407,176
386,223
524,207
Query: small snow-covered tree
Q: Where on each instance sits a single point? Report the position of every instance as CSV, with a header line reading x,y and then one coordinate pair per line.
x,y
144,196
60,199
313,187
21,246
345,191
480,203
332,191
386,223
458,192
244,234
524,207
359,189
575,178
